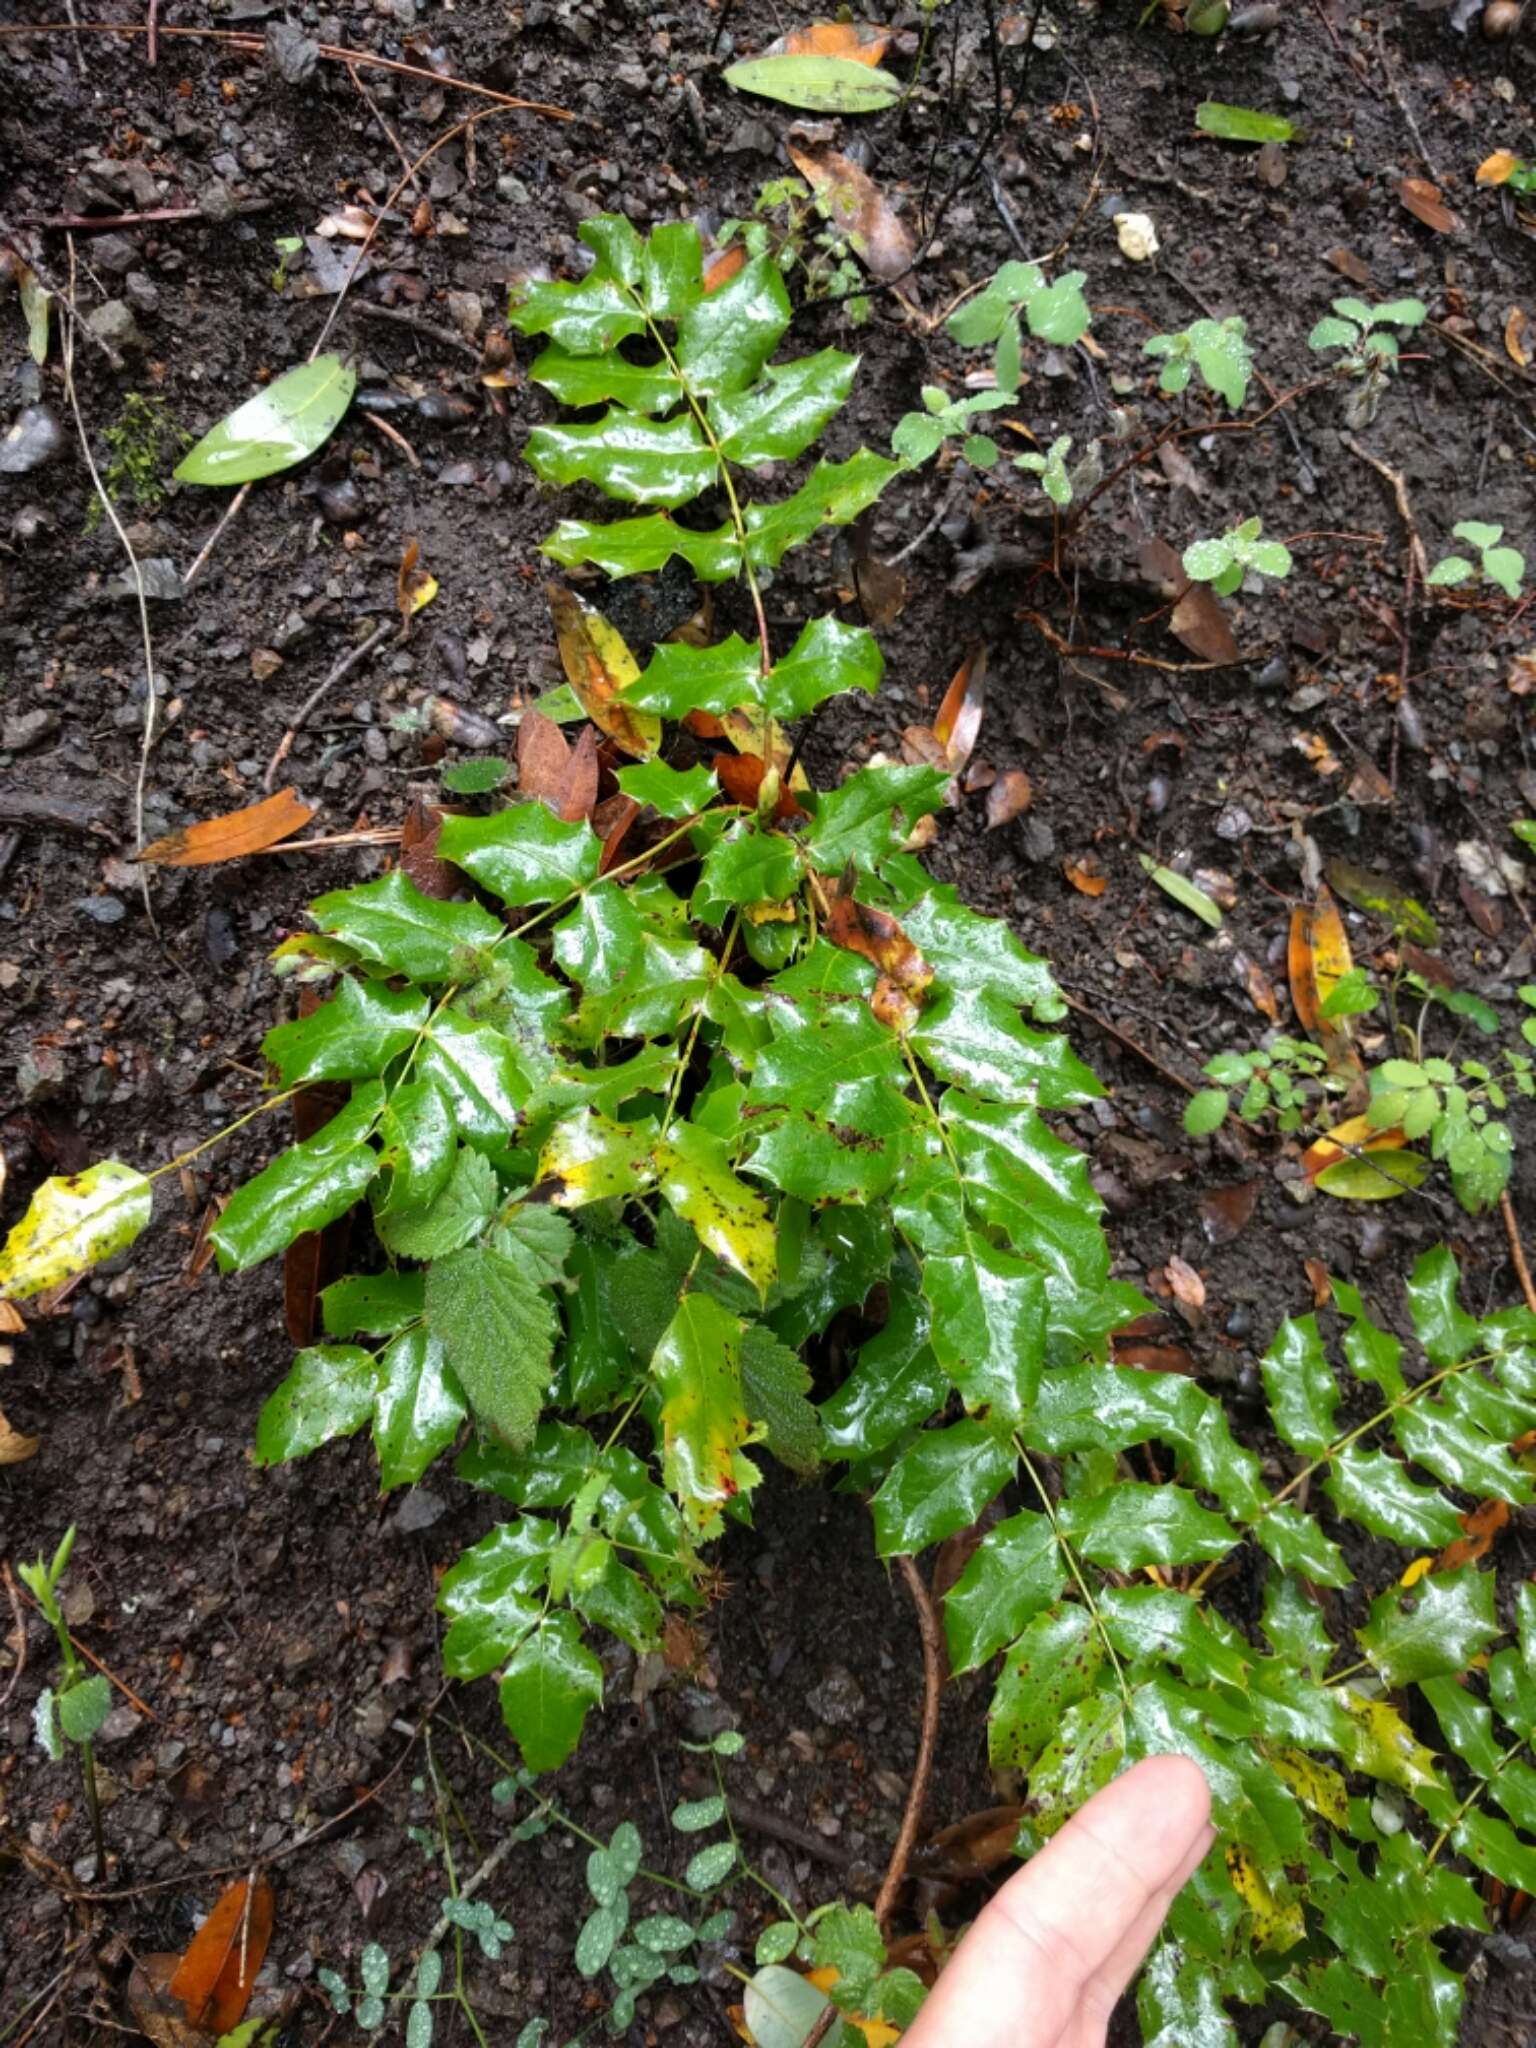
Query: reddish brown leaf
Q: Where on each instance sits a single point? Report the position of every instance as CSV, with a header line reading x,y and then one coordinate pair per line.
x,y
1424,202
1482,909
855,205
920,748
1009,795
1322,1286
1482,1524
1187,1286
414,586
612,821
741,777
418,852
880,587
214,1977
228,837
1261,990
1155,1357
600,668
1349,265
972,1848
876,936
1083,878
957,722
722,266
1225,1212
1198,622
548,767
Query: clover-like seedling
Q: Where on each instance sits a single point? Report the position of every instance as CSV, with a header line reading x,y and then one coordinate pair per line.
x,y
1370,350
1051,468
1218,349
1053,312
919,435
1503,566
1222,561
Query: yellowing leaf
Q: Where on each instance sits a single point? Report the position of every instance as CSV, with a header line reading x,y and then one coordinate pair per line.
x,y
416,589
227,838
731,1221
1277,1920
877,2033
1517,326
704,1423
1380,1178
600,668
1315,1784
854,203
1419,1569
1385,1746
859,41
73,1222
1497,169
1356,1134
1318,959
588,1157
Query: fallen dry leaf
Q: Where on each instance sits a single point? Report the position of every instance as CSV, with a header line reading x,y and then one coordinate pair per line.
x,y
957,722
1008,796
611,821
1155,1357
880,587
1318,752
972,1847
214,1977
1498,168
1349,265
722,265
1522,675
1318,957
1424,202
1482,1524
860,42
1517,326
1261,990
1198,622
415,588
15,1448
1225,1212
1188,1288
158,2016
855,204
550,768
226,838
1084,879
599,668
1322,1286
418,852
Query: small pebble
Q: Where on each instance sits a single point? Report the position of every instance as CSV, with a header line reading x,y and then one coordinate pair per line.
x,y
102,909
35,438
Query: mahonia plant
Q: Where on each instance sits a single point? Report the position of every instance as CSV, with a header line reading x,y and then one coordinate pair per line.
x,y
633,1137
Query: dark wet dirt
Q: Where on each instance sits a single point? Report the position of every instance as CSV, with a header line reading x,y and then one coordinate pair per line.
x,y
278,1626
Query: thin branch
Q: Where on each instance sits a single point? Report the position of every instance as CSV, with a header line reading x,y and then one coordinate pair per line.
x,y
922,1773
1517,1250
347,663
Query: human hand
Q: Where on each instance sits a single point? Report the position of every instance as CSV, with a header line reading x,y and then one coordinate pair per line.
x,y
1052,1952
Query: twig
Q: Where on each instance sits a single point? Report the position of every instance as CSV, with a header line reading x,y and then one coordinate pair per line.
x,y
1130,1044
762,1820
376,835
118,528
912,546
152,26
389,134
343,667
922,1773
99,223
1517,1250
1399,485
401,318
112,1678
13,241
211,542
1400,101
393,434
21,1634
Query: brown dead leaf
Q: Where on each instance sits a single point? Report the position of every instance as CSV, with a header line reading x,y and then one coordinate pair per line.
x,y
1349,265
741,777
214,1977
972,1847
1318,752
1225,1212
226,838
15,1448
611,821
876,936
1198,622
1482,1524
418,852
414,586
1084,878
880,588
1517,326
12,1323
1322,1286
860,42
549,768
920,748
1008,796
600,668
1368,785
1498,168
957,722
1318,957
1188,1288
1155,1357
722,265
158,2016
854,203
1261,990
1521,678
1424,202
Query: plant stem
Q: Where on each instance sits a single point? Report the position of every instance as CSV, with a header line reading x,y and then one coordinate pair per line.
x,y
93,1807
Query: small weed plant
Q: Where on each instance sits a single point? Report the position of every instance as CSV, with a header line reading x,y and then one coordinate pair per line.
x,y
71,1714
636,1124
145,441
1496,564
801,232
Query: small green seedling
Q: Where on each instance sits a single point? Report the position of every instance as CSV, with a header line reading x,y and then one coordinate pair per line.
x,y
1370,352
1052,312
1051,468
919,435
1222,561
783,224
75,1711
287,247
1218,349
1503,566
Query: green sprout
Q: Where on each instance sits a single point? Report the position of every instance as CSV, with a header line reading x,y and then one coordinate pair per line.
x,y
1370,354
287,247
74,1713
1218,349
1051,468
1503,566
1222,561
918,435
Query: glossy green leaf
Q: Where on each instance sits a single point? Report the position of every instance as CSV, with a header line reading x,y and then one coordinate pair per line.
x,y
775,1383
1242,124
599,380
549,1685
477,1071
1440,1323
1182,890
968,951
418,1409
895,1385
704,1423
645,462
1017,1571
589,1158
639,547
304,1188
871,815
389,921
694,1175
1153,1624
416,1143
296,415
1055,1663
1303,1394
670,792
1434,1627
1374,1490
826,85
83,1707
351,1037
988,1326
371,1304
1178,2001
939,1485
725,338
329,1392
977,1039
524,854
834,494
73,1222
751,863
496,1326
1134,1525
779,418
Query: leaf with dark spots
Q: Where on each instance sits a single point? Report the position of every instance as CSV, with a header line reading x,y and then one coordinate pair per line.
x,y
876,936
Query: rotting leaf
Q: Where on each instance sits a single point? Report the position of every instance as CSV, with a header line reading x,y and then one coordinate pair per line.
x,y
1318,957
859,41
72,1223
214,1977
1086,880
1198,622
231,836
549,768
1369,890
876,936
1008,798
600,668
1483,1525
286,423
854,203
1517,327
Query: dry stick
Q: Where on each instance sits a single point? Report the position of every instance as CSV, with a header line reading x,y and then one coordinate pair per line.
x,y
1400,101
1399,485
1517,1250
393,434
389,134
348,662
21,1634
1130,1044
138,582
9,236
398,316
